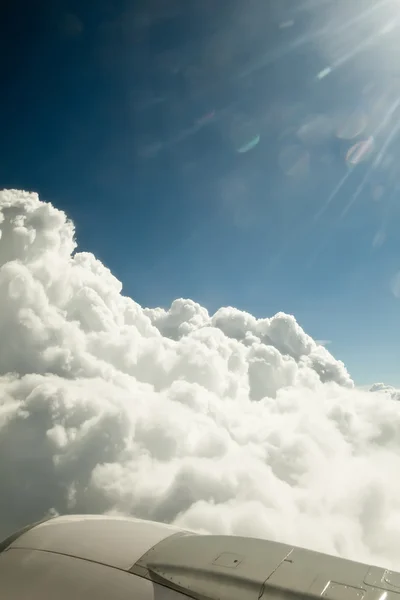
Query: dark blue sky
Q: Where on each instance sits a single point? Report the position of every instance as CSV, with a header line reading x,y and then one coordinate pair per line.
x,y
127,116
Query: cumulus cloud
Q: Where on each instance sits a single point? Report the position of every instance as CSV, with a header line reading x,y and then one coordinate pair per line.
x,y
386,389
221,423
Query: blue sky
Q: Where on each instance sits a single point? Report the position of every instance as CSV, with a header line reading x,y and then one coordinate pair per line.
x,y
85,89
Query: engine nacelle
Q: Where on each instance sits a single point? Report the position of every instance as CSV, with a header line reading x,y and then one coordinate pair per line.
x,y
118,558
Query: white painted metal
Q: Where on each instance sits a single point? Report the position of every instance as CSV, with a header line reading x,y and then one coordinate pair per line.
x,y
115,558
115,541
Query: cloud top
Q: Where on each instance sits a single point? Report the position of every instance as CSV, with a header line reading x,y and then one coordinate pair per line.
x,y
222,423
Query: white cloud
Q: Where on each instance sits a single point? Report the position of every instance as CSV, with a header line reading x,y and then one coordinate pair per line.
x,y
224,423
386,389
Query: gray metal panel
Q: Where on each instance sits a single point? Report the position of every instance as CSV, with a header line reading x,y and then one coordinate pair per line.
x,y
338,591
214,567
383,579
114,541
74,551
37,575
310,573
238,568
306,571
4,544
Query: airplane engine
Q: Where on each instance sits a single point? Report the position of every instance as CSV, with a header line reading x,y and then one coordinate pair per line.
x,y
101,557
